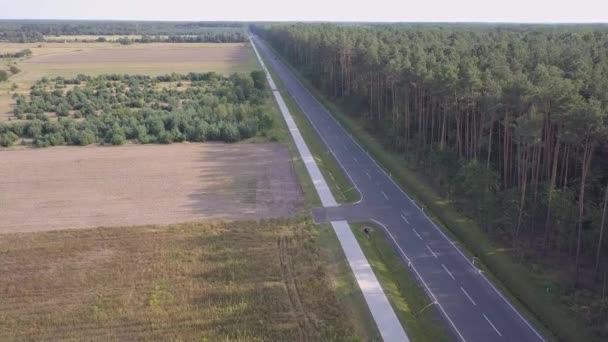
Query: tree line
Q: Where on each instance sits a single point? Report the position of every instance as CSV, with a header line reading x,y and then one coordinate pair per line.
x,y
35,30
212,36
113,109
509,122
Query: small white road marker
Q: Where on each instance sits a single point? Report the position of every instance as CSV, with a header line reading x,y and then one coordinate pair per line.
x,y
448,271
466,294
418,235
404,219
384,195
355,158
429,248
487,319
346,147
368,176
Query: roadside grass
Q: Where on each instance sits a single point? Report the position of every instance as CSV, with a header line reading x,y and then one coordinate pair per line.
x,y
413,307
205,281
525,289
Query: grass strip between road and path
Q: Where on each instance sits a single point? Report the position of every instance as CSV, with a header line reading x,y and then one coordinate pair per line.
x,y
525,291
404,293
348,293
413,307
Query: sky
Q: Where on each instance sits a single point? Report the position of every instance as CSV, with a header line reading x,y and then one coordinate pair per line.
x,y
543,11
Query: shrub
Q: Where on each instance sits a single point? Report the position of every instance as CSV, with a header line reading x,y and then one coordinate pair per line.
x,y
230,133
56,139
118,139
86,137
8,139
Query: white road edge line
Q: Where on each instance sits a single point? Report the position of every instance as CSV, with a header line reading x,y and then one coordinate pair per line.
x,y
417,207
384,195
404,219
448,271
466,294
487,319
418,235
426,287
429,248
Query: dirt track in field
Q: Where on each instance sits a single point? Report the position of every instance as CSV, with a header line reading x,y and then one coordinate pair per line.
x,y
153,54
82,187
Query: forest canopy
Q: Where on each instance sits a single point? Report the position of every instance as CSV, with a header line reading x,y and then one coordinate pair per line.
x,y
24,31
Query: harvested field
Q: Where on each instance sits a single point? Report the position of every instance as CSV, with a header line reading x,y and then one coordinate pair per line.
x,y
80,187
143,54
206,281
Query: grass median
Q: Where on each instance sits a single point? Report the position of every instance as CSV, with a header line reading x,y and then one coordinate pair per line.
x,y
413,307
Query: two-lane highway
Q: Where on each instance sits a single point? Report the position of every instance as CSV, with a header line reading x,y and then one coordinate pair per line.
x,y
472,306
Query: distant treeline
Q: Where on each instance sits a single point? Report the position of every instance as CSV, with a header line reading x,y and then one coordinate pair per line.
x,y
221,36
34,30
163,109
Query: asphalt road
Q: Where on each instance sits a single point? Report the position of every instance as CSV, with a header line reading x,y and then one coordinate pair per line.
x,y
471,305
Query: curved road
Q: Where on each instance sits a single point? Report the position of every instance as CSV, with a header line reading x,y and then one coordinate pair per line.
x,y
472,306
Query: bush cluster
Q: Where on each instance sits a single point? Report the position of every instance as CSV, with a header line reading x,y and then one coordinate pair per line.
x,y
163,109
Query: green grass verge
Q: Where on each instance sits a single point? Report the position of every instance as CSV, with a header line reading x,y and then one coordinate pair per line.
x,y
413,307
526,290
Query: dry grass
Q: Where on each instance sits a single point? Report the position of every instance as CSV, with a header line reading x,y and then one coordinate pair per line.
x,y
72,58
241,281
83,187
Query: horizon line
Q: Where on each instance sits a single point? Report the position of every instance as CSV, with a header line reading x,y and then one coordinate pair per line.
x,y
321,21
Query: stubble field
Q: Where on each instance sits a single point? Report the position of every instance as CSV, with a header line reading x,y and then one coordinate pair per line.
x,y
211,281
83,187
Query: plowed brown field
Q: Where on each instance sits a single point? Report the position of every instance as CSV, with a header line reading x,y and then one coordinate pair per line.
x,y
76,187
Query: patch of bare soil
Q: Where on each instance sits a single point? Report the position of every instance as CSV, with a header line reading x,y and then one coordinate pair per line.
x,y
82,187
